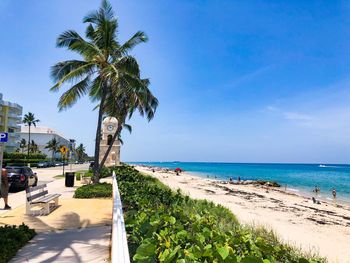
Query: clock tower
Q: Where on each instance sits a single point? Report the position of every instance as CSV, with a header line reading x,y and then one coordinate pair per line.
x,y
109,127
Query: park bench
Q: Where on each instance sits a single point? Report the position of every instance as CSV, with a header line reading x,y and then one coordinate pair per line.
x,y
38,196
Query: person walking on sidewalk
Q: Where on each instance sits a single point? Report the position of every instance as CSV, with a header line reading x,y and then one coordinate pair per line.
x,y
5,188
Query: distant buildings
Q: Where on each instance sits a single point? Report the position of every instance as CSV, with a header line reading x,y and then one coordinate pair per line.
x,y
42,135
10,119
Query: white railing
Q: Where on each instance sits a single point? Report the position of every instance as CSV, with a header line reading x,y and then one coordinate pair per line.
x,y
120,250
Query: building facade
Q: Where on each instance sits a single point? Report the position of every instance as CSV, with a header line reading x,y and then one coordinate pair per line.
x,y
109,127
10,120
41,136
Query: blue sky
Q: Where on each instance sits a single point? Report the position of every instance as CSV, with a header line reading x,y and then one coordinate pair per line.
x,y
237,81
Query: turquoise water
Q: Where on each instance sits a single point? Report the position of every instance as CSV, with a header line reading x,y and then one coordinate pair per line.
x,y
297,177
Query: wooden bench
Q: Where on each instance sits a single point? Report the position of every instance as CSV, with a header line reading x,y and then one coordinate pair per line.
x,y
39,196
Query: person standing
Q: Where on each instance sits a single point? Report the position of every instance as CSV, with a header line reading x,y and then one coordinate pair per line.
x,y
334,193
5,188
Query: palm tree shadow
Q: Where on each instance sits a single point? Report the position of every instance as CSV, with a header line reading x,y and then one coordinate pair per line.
x,y
62,245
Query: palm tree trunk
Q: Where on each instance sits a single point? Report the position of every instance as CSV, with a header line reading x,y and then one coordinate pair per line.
x,y
96,169
117,132
28,139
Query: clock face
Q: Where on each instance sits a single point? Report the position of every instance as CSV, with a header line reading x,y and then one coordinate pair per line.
x,y
110,127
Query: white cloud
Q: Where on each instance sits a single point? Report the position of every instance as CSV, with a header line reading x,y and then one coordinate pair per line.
x,y
296,116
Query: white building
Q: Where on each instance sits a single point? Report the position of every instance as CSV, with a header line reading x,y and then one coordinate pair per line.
x,y
41,136
10,119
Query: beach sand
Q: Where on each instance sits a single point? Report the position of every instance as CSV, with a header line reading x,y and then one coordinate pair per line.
x,y
322,228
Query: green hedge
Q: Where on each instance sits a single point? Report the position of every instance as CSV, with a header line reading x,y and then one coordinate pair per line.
x,y
164,226
22,162
101,190
16,156
12,238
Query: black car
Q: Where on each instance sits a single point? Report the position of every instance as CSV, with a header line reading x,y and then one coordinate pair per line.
x,y
20,177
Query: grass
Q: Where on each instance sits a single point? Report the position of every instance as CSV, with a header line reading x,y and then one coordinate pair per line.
x,y
102,190
12,238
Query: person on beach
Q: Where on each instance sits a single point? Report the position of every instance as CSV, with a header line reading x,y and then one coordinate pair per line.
x,y
5,188
316,190
231,179
239,178
334,193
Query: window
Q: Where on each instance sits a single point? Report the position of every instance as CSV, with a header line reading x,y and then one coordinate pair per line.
x,y
109,139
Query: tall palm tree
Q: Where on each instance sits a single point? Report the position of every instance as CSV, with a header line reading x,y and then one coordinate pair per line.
x,y
23,144
53,145
80,151
103,61
29,119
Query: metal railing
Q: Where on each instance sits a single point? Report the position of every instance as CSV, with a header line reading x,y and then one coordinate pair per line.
x,y
120,250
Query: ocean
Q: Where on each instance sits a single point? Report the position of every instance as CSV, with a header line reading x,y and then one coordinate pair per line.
x,y
300,178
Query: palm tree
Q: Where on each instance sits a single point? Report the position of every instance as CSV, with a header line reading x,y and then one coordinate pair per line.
x,y
29,119
80,151
104,61
53,146
122,107
23,144
33,147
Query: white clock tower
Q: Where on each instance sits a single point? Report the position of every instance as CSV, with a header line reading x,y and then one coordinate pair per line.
x,y
109,127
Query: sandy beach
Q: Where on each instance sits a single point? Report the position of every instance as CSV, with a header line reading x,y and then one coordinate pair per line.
x,y
322,228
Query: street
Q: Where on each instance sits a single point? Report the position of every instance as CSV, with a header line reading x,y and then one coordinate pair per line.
x,y
46,175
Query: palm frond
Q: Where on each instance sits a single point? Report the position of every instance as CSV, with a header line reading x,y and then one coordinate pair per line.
x,y
75,74
70,97
137,38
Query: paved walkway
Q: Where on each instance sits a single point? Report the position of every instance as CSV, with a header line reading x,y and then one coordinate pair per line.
x,y
88,222
79,245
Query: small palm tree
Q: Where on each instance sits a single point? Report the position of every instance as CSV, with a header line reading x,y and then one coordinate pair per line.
x,y
54,146
29,119
23,144
80,151
33,147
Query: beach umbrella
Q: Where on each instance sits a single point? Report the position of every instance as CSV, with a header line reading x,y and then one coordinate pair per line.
x,y
178,170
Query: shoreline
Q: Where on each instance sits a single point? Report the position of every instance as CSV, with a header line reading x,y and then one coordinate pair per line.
x,y
294,190
322,228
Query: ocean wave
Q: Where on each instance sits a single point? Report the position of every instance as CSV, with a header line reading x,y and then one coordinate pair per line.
x,y
329,166
293,189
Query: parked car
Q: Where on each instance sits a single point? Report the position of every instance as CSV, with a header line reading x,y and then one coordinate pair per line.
x,y
58,163
43,165
21,177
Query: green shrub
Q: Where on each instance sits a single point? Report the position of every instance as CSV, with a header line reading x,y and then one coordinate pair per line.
x,y
77,176
164,226
16,156
94,191
22,162
12,238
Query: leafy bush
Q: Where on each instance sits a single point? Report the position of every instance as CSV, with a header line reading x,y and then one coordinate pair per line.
x,y
12,238
16,156
94,191
164,226
22,162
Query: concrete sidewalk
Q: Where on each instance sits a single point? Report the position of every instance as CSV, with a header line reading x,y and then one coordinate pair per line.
x,y
80,245
77,231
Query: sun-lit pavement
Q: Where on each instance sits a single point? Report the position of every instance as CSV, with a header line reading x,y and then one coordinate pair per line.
x,y
47,175
78,245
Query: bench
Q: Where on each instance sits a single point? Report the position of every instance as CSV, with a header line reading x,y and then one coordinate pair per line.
x,y
38,196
